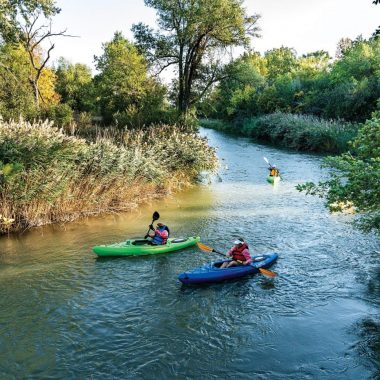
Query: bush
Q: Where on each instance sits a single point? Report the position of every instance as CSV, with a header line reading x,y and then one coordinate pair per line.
x,y
61,114
354,184
300,132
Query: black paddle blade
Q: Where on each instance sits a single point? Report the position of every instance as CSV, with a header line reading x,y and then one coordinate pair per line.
x,y
156,216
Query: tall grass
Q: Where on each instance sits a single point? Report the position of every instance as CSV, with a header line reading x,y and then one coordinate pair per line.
x,y
300,132
47,176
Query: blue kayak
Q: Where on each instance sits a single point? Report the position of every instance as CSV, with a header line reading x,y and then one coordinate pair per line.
x,y
211,272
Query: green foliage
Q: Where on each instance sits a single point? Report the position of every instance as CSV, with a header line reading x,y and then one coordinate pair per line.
x,y
61,114
74,85
238,91
281,61
12,10
215,124
16,96
127,96
300,132
191,35
347,88
356,178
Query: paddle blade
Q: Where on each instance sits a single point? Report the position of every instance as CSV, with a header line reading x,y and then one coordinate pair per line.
x,y
155,216
267,272
204,247
266,160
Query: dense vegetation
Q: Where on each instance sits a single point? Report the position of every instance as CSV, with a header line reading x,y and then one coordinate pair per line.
x,y
126,91
346,88
48,176
296,131
193,37
310,102
355,184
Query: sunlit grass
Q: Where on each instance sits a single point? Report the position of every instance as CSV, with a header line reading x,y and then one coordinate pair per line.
x,y
300,132
47,176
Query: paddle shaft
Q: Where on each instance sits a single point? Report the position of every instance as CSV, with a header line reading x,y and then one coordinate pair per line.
x,y
147,233
155,216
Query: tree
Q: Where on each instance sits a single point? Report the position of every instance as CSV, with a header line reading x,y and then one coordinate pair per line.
x,y
192,33
355,182
28,22
344,45
281,61
123,85
16,97
75,86
13,11
244,79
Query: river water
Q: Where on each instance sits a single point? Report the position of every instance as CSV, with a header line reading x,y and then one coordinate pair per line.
x,y
64,314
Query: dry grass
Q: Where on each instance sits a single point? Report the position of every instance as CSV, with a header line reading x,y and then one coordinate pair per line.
x,y
47,176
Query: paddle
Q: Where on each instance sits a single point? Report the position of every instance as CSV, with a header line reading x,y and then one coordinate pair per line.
x,y
271,166
155,217
266,160
263,271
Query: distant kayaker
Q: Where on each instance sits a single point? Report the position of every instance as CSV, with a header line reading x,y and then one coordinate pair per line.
x,y
273,171
239,253
159,235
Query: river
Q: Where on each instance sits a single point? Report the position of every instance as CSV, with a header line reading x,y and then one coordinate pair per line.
x,y
64,314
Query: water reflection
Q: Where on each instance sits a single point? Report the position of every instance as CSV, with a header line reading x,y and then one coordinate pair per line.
x,y
67,314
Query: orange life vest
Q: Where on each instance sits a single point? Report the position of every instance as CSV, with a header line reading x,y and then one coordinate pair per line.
x,y
273,172
237,253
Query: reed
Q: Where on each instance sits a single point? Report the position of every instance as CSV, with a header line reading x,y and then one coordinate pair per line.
x,y
48,176
299,132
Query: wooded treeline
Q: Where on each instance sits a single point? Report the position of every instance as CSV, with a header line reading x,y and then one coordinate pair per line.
x,y
313,101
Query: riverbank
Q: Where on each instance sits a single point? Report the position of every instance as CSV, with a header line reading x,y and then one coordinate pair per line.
x,y
48,176
299,132
68,315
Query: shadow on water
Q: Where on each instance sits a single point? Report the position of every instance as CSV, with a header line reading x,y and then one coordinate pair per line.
x,y
368,344
67,314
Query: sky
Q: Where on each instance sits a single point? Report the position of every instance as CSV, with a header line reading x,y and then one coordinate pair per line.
x,y
305,25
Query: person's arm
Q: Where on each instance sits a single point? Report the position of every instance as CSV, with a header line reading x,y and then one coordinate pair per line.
x,y
230,252
247,256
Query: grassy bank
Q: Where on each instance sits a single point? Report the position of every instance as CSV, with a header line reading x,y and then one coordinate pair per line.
x,y
300,132
47,176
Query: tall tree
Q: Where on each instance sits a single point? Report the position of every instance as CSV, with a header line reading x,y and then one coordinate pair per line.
x,y
281,61
193,36
12,12
123,85
75,85
28,22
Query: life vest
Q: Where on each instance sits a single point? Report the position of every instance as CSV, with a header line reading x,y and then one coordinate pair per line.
x,y
160,235
237,253
274,172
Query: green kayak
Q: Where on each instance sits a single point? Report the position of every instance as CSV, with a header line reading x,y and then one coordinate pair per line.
x,y
273,180
140,247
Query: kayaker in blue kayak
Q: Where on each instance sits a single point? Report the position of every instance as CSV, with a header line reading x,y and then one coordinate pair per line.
x,y
239,253
159,235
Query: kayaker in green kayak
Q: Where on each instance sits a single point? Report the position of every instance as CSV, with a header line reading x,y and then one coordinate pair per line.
x,y
239,253
159,234
273,171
